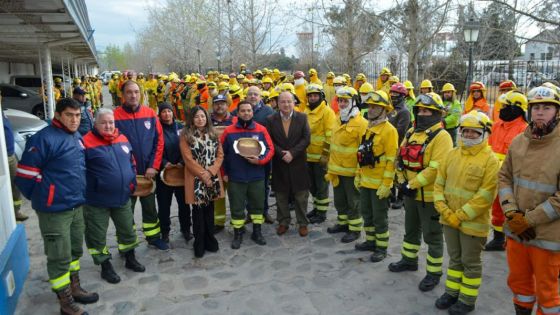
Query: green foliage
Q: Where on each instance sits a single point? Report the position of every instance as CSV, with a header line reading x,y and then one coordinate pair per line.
x,y
114,58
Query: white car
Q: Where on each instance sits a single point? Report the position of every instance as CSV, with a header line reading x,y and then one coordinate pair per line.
x,y
24,125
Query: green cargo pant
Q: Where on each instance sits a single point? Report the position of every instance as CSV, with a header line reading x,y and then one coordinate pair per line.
x,y
150,219
97,222
63,238
464,274
347,203
300,199
319,188
220,210
250,195
16,194
376,220
422,220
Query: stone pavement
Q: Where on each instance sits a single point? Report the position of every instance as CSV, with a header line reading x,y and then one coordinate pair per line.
x,y
290,275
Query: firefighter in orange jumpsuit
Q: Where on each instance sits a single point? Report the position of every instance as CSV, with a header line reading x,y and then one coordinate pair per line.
x,y
530,198
477,99
511,122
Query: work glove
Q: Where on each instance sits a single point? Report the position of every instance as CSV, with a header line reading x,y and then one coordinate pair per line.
x,y
400,177
451,218
519,225
413,184
357,180
383,192
407,191
333,178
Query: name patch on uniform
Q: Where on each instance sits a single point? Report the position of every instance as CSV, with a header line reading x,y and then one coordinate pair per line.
x,y
125,149
148,124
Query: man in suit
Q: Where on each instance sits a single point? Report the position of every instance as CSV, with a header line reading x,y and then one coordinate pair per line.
x,y
290,134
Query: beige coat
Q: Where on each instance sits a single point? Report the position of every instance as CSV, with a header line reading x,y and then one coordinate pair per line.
x,y
193,169
529,182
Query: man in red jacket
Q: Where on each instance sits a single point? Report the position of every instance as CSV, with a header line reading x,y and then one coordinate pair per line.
x,y
142,128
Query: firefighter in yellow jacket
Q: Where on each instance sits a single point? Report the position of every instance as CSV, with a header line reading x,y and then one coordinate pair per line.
x,y
464,190
376,158
343,165
322,121
424,147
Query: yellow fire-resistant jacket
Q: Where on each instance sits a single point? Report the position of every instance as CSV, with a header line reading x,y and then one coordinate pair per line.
x,y
113,86
466,184
329,91
302,95
435,152
528,182
322,121
385,145
346,138
315,80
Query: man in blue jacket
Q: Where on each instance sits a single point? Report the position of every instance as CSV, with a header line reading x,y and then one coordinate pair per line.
x,y
86,120
142,128
246,175
52,175
110,180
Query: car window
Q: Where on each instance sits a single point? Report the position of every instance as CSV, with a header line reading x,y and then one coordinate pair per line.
x,y
9,92
28,82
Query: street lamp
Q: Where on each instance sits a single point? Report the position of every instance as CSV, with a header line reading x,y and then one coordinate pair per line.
x,y
470,31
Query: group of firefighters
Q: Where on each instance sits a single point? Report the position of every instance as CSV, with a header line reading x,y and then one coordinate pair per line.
x,y
460,170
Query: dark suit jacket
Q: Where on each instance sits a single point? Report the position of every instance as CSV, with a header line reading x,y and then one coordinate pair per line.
x,y
293,176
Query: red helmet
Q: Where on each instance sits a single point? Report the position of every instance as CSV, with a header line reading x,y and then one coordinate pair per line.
x,y
507,85
399,88
477,86
298,74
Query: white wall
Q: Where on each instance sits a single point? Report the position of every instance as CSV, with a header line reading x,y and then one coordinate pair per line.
x,y
9,69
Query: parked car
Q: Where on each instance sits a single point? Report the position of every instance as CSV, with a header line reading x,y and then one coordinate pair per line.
x,y
17,97
24,126
33,82
106,76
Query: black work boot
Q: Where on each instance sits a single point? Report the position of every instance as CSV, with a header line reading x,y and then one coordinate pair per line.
x,y
378,255
520,310
365,246
131,262
350,236
108,273
337,228
257,235
497,244
429,282
78,293
446,301
403,265
237,238
311,213
320,217
460,308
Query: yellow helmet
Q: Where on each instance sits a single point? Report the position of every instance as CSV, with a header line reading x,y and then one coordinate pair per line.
x,y
502,99
313,88
266,70
330,75
552,86
543,94
193,79
476,120
379,98
258,72
339,80
408,85
430,100
212,85
235,90
346,92
224,77
366,88
240,77
286,87
385,71
361,77
252,82
515,98
276,71
426,84
312,72
242,66
265,94
273,94
347,77
267,80
200,81
448,87
393,79
77,81
57,80
222,86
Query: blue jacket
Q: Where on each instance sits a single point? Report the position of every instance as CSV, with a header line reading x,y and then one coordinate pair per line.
x,y
8,135
236,167
110,170
260,112
52,171
86,119
171,151
143,130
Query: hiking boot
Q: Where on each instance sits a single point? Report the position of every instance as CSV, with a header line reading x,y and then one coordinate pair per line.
x,y
78,293
67,304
